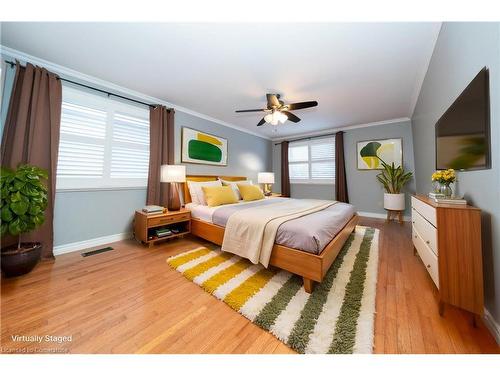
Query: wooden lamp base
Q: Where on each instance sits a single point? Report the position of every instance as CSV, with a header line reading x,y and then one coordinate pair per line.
x,y
174,202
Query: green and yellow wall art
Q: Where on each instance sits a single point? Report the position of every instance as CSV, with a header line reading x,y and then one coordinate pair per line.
x,y
369,153
203,148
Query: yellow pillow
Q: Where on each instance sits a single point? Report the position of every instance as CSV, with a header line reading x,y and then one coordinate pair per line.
x,y
219,195
250,192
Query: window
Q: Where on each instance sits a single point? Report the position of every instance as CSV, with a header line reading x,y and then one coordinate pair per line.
x,y
103,143
312,161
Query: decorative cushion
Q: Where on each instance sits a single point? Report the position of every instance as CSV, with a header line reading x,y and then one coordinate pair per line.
x,y
234,186
219,195
250,192
196,192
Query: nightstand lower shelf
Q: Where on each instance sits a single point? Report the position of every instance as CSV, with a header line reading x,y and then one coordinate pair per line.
x,y
145,226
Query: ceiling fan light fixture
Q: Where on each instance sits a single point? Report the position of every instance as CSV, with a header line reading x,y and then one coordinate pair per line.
x,y
268,118
282,117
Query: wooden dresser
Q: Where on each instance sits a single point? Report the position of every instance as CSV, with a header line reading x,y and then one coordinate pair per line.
x,y
448,240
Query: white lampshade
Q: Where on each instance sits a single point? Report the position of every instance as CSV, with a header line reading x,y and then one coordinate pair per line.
x,y
173,173
275,118
265,178
282,117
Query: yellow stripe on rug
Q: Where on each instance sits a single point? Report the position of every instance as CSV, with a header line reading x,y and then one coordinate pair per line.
x,y
197,270
242,293
225,275
179,260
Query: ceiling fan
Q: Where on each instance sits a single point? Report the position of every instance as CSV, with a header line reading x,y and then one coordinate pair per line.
x,y
278,111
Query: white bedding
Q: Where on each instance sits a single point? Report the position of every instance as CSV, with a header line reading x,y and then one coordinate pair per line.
x,y
205,213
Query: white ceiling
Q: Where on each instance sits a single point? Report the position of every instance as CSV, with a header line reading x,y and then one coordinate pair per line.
x,y
358,72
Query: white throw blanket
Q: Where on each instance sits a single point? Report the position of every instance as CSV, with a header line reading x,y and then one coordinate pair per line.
x,y
250,233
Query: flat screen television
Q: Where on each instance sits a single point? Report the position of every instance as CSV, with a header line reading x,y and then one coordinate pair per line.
x,y
463,132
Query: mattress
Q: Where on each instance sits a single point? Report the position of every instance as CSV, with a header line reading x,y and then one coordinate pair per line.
x,y
310,233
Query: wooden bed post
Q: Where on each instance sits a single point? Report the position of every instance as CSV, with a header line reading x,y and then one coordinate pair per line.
x,y
308,285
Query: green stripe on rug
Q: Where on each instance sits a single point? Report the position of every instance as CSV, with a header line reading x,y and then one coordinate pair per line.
x,y
299,337
345,328
278,303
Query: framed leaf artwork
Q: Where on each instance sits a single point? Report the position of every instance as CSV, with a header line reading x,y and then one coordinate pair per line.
x,y
370,153
203,148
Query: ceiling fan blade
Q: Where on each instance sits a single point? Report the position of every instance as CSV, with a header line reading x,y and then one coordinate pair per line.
x,y
272,101
249,110
291,116
302,105
261,122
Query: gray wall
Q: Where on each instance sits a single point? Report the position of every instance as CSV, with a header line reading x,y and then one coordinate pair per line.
x,y
462,49
365,192
247,154
84,215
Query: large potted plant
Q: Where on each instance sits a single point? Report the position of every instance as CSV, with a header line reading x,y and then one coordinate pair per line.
x,y
393,179
24,200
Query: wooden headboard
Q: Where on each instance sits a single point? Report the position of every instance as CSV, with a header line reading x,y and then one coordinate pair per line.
x,y
200,178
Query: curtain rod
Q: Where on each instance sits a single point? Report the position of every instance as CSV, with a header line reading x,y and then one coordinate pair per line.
x,y
12,64
307,138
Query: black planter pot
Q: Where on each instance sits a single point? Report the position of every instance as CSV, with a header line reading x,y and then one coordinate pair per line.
x,y
17,263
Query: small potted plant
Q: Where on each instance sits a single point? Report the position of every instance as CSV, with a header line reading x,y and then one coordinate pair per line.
x,y
393,179
23,202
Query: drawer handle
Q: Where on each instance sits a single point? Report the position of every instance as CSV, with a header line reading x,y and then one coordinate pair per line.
x,y
415,236
413,221
428,242
428,266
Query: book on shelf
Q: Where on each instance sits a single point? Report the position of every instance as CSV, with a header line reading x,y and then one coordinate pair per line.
x,y
163,233
450,201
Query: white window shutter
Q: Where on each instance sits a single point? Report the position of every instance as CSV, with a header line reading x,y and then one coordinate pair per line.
x,y
103,143
312,161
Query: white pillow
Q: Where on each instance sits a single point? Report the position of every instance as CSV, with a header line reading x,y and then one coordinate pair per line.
x,y
195,189
234,186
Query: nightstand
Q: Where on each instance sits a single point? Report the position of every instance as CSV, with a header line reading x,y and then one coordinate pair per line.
x,y
145,226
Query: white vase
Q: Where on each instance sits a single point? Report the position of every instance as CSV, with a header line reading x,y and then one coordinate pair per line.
x,y
395,202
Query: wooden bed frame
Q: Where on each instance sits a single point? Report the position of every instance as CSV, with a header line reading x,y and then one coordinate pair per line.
x,y
311,267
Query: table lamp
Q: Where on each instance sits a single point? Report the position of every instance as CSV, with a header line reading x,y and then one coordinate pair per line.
x,y
173,174
266,178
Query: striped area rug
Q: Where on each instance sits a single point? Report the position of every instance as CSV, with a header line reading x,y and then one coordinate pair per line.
x,y
338,317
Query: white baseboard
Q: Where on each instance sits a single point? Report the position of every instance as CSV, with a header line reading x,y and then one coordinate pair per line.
x,y
379,216
82,245
492,325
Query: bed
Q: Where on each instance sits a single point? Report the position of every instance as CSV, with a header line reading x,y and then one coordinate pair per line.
x,y
301,248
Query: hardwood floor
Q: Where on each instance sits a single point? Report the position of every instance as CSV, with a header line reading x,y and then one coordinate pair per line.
x,y
130,301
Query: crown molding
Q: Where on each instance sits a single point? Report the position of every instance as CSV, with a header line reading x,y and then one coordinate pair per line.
x,y
343,128
419,80
84,78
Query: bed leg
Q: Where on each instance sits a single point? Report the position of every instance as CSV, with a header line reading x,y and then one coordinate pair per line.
x,y
308,285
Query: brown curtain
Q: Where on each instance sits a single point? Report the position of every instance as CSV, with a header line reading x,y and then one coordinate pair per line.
x,y
31,136
285,174
340,177
161,151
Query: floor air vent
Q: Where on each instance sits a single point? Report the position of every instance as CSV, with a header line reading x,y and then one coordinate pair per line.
x,y
98,251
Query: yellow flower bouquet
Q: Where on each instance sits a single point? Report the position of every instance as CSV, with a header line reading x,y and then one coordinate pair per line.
x,y
446,177
442,180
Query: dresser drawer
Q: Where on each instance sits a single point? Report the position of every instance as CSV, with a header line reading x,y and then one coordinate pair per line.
x,y
426,230
428,257
427,212
167,219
